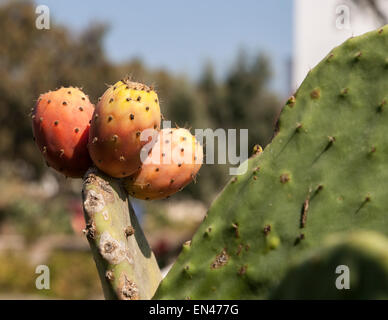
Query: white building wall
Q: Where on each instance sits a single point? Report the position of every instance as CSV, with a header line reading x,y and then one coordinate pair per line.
x,y
320,25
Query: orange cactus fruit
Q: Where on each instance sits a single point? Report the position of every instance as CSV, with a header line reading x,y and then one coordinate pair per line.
x,y
171,164
124,111
60,123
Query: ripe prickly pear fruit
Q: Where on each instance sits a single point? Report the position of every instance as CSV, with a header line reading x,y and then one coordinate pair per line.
x,y
124,111
173,162
60,122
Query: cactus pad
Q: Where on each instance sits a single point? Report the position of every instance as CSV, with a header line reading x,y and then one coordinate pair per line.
x,y
325,171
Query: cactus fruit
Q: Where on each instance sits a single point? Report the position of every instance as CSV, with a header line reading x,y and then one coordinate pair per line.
x,y
60,122
350,266
173,162
324,172
126,265
124,111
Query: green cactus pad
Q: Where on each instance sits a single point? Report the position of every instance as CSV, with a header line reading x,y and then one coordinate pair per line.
x,y
360,259
325,171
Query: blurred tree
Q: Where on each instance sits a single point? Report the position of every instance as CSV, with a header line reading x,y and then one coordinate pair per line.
x,y
33,61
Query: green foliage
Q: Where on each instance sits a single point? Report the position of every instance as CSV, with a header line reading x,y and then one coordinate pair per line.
x,y
72,276
324,172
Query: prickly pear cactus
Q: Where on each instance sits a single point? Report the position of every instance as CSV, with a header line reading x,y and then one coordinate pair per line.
x,y
325,171
365,254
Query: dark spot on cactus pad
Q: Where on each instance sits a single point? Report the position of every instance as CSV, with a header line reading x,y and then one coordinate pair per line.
x,y
157,169
49,101
366,200
172,181
242,270
179,165
315,94
381,106
299,239
114,88
305,208
128,99
156,100
131,116
81,109
138,98
267,229
284,178
357,56
64,103
147,108
110,100
83,98
138,134
56,122
236,230
155,126
76,130
110,118
68,92
344,92
291,101
220,260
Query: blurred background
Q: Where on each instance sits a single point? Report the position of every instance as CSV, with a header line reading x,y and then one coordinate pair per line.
x,y
214,65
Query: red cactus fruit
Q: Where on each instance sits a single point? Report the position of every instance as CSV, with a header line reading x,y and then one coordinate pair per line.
x,y
173,162
60,123
124,111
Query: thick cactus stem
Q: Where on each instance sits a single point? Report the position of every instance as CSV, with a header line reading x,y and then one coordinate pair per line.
x,y
126,265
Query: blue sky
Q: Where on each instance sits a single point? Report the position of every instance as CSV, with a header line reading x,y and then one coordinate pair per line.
x,y
181,36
